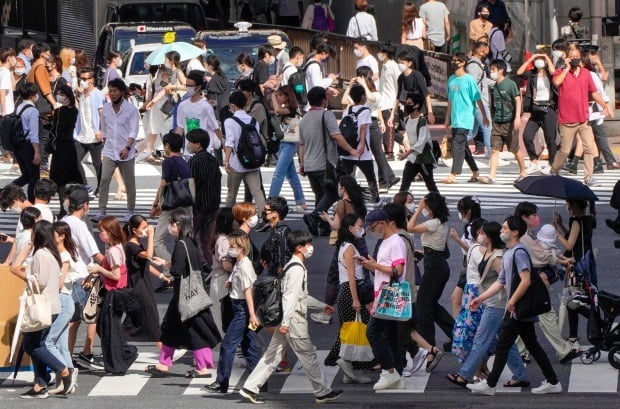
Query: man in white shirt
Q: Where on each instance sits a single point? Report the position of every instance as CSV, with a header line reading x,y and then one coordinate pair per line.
x,y
435,15
120,129
196,63
362,24
365,59
87,133
7,62
314,74
296,60
196,112
236,172
388,87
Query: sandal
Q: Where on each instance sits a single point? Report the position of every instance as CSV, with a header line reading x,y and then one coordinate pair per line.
x,y
437,354
195,374
472,180
156,372
516,384
454,378
448,181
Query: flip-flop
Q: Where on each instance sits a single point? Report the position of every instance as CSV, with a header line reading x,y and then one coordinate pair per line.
x,y
516,384
194,374
155,372
454,378
472,180
448,181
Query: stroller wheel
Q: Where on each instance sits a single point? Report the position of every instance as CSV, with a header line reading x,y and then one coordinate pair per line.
x,y
613,356
587,357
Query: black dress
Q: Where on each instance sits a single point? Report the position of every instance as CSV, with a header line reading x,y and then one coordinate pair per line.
x,y
197,332
64,166
140,280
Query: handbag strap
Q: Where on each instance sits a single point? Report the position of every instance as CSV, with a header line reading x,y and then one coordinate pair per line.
x,y
189,260
32,284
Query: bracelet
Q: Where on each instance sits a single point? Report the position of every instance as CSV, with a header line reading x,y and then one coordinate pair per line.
x,y
161,276
128,147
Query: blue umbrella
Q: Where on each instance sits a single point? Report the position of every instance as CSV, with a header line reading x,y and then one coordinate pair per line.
x,y
555,186
185,50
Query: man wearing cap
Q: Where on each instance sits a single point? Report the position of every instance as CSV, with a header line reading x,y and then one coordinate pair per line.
x,y
383,334
76,204
281,51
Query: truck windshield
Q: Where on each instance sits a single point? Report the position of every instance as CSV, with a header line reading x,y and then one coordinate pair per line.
x,y
190,13
123,37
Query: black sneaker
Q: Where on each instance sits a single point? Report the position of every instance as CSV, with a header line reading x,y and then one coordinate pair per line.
x,y
90,362
264,388
69,381
574,353
32,394
251,396
333,395
262,226
164,286
216,387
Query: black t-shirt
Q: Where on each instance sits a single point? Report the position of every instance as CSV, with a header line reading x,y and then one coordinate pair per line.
x,y
412,83
174,168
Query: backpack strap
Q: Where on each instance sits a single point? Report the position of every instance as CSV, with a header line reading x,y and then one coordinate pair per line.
x,y
309,63
515,273
291,265
479,66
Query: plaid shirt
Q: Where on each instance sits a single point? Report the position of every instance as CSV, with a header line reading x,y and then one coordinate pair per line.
x,y
275,250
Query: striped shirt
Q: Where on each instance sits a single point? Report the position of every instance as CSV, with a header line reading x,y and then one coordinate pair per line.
x,y
208,180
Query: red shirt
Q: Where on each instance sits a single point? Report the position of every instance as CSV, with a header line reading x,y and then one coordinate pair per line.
x,y
573,96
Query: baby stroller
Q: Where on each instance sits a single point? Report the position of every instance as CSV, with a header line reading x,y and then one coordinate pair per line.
x,y
603,331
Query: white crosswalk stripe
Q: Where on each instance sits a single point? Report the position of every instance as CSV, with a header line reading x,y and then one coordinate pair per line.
x,y
598,377
501,195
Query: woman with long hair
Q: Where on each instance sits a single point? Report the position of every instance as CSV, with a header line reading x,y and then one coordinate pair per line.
x,y
54,69
45,271
69,71
246,218
140,266
222,267
64,166
286,108
198,333
493,310
434,235
218,90
167,82
245,66
413,28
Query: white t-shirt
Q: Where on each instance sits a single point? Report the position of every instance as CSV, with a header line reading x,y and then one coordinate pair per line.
x,y
233,133
221,252
364,25
364,118
71,277
343,273
85,244
416,30
369,61
373,106
314,76
46,214
388,84
435,237
194,64
241,278
288,70
201,111
6,84
392,252
22,239
475,257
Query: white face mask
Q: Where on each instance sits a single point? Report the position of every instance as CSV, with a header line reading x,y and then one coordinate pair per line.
x,y
557,54
539,64
410,207
494,75
299,64
143,233
505,237
357,52
73,61
16,209
480,239
309,251
234,253
402,67
240,69
20,71
167,65
61,99
272,60
252,221
191,92
359,233
120,64
84,84
425,212
461,218
65,207
381,57
171,230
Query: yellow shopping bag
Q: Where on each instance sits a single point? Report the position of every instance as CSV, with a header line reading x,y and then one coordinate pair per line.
x,y
354,345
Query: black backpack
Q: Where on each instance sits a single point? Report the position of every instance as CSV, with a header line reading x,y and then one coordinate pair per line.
x,y
297,81
12,129
250,149
267,295
349,129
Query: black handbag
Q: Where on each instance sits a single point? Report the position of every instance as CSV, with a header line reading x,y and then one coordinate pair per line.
x,y
365,289
536,299
168,106
177,194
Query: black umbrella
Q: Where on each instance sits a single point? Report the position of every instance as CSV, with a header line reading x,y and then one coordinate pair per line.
x,y
555,186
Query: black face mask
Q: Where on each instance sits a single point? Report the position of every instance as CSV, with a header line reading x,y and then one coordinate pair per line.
x,y
575,62
409,108
454,65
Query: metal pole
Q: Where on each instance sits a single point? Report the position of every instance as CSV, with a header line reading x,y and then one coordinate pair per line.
x,y
527,25
553,29
597,8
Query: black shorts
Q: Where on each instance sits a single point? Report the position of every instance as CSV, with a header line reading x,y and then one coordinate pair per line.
x,y
77,314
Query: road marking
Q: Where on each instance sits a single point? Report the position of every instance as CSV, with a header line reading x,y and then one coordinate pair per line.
x,y
195,386
599,377
297,381
127,385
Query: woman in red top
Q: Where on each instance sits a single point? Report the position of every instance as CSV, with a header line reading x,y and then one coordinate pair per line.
x,y
114,269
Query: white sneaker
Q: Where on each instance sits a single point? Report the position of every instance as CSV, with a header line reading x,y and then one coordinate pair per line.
x,y
178,354
388,380
359,379
544,170
347,368
546,387
532,169
407,373
481,388
321,317
418,360
142,156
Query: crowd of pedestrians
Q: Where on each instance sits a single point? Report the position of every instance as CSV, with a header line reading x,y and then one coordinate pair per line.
x,y
278,109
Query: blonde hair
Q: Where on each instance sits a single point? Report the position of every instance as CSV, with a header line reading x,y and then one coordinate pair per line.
x,y
243,211
66,55
240,240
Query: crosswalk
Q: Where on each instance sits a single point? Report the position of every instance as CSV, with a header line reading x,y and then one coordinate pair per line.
x,y
576,378
501,195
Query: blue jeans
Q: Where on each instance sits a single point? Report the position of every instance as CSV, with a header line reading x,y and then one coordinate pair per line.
x,y
237,333
42,358
285,167
57,340
486,336
486,130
